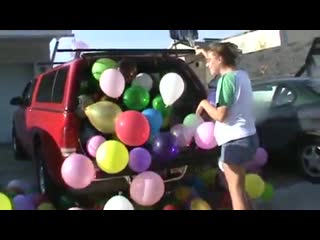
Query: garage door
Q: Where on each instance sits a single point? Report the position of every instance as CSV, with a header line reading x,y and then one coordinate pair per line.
x,y
13,78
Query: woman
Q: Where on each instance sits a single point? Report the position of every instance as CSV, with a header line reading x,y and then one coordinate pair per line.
x,y
235,129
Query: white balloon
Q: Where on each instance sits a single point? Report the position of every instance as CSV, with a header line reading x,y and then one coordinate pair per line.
x,y
171,88
118,203
143,80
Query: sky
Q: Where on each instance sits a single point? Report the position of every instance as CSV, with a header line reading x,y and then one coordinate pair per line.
x,y
130,39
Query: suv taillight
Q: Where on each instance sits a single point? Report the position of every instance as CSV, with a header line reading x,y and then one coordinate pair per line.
x,y
69,140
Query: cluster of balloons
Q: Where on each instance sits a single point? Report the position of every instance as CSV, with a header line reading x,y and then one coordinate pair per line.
x,y
19,195
135,123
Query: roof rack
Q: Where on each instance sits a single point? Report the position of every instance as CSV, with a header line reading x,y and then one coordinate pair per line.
x,y
87,53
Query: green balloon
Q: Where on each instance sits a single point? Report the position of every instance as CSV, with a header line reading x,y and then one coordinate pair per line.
x,y
66,202
268,192
159,105
101,65
136,98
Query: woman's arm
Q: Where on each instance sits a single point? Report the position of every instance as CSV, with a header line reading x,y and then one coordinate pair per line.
x,y
216,113
200,51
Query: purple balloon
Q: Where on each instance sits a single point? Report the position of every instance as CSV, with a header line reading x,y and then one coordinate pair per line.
x,y
261,157
178,131
164,147
21,202
94,143
140,159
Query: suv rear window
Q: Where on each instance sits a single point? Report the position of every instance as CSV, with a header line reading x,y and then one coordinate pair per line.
x,y
51,89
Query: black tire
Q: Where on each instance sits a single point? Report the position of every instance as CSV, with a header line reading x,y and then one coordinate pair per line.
x,y
45,183
18,152
308,159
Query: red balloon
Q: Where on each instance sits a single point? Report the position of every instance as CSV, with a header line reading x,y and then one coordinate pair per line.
x,y
132,128
170,207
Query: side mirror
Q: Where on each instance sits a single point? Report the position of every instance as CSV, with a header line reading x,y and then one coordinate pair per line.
x,y
16,101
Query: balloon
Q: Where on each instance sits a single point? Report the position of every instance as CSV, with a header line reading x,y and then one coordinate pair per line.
x,y
5,203
171,88
66,202
154,117
204,136
21,202
143,80
199,204
209,176
136,98
254,185
112,157
75,208
46,206
93,144
140,159
147,188
79,45
268,192
78,171
261,157
118,203
101,65
180,133
158,104
102,115
164,147
170,207
193,121
112,83
18,186
132,128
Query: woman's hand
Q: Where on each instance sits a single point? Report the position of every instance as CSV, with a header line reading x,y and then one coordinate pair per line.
x,y
200,108
200,51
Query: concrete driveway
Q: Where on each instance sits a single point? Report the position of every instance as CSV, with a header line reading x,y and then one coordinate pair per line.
x,y
292,192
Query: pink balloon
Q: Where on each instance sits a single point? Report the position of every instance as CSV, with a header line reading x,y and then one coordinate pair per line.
x,y
78,171
147,188
112,83
205,136
94,143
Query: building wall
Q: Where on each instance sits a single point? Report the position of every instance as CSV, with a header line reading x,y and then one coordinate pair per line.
x,y
256,40
301,36
24,50
34,33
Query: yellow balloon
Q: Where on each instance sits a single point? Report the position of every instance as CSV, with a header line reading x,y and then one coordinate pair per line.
x,y
254,185
199,204
103,115
112,156
5,202
46,206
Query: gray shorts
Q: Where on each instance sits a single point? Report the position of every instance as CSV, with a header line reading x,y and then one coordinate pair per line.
x,y
239,151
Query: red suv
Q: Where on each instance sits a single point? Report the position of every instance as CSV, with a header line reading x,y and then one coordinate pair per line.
x,y
46,127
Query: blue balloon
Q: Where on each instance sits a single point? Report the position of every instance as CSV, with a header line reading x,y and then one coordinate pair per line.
x,y
155,119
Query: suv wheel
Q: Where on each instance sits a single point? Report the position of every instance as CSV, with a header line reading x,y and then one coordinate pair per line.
x,y
16,147
45,183
309,159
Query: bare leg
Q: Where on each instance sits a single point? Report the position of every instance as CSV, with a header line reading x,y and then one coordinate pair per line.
x,y
235,176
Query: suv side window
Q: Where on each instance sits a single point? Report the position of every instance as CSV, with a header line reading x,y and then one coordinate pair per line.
x,y
28,92
51,89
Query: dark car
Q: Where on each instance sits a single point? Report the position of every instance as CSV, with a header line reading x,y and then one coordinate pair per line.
x,y
288,122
